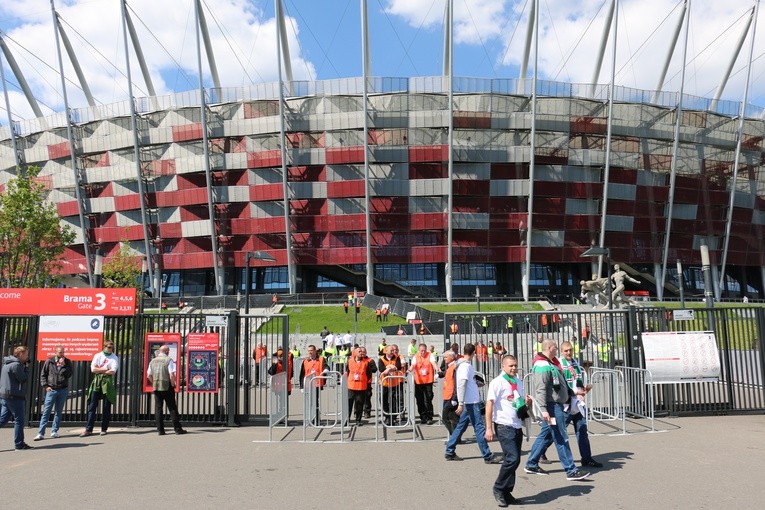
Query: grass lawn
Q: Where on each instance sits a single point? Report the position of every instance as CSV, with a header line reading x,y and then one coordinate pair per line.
x,y
307,319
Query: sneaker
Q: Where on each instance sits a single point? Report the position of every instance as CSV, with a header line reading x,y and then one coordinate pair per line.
x,y
494,459
54,435
86,433
544,460
592,463
453,456
500,498
24,446
180,432
38,437
103,433
535,470
577,474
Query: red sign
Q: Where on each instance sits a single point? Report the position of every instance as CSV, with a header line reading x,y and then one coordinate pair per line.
x,y
67,301
153,342
80,336
203,341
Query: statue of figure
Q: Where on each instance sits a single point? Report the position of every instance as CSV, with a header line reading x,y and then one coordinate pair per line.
x,y
618,293
594,291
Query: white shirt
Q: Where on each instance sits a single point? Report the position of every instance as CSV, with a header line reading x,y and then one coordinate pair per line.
x,y
500,393
465,372
347,339
330,340
170,367
100,360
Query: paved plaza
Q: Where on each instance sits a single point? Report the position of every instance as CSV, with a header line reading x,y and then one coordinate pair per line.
x,y
699,462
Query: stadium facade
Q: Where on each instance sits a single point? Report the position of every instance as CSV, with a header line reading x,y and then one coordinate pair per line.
x,y
328,176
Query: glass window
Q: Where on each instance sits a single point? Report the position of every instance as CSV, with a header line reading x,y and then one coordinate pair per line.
x,y
474,274
276,278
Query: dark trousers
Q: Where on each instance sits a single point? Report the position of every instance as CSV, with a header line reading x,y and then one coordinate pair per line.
x,y
95,398
510,440
391,402
368,400
423,394
166,397
450,418
356,400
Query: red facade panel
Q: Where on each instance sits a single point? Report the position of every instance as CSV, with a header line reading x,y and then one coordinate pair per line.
x,y
472,120
264,159
127,202
181,197
509,171
475,188
584,190
266,192
652,194
67,208
428,221
339,189
429,153
428,171
59,150
344,155
187,132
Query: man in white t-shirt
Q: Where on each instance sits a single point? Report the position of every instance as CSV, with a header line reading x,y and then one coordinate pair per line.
x,y
104,366
468,409
504,400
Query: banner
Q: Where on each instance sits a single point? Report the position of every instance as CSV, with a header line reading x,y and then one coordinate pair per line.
x,y
153,342
67,301
682,356
80,336
202,376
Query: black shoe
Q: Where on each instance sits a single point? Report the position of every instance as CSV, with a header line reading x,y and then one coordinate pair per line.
x,y
494,459
577,474
501,501
453,456
535,470
161,432
24,446
367,414
511,500
180,432
592,463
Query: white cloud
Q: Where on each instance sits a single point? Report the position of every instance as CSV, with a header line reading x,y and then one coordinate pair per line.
x,y
243,38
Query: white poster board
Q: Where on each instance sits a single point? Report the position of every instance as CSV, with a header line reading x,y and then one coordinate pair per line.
x,y
682,356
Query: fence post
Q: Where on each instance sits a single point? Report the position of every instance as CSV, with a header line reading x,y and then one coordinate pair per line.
x,y
725,352
136,389
631,337
34,367
285,358
232,361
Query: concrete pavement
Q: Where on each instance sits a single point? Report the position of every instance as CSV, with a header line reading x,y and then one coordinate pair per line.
x,y
699,462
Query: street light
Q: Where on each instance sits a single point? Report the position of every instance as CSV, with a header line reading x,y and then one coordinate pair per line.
x,y
599,251
98,269
252,255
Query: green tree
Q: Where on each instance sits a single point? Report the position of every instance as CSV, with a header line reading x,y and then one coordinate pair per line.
x,y
123,270
32,238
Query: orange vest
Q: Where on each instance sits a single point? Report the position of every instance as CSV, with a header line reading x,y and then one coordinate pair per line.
x,y
259,353
280,369
314,367
357,374
454,327
423,369
449,390
391,382
480,352
544,319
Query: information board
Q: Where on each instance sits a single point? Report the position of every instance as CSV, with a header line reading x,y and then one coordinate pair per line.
x,y
682,356
153,342
202,366
81,336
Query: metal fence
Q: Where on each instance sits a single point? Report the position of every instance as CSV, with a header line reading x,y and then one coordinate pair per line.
x,y
612,338
242,395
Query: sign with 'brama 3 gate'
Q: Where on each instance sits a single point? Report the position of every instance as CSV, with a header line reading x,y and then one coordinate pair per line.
x,y
67,301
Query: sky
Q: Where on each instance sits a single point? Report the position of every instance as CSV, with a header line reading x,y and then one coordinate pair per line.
x,y
406,40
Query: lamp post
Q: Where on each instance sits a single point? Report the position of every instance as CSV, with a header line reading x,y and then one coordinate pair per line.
x,y
142,293
680,283
252,255
98,269
599,251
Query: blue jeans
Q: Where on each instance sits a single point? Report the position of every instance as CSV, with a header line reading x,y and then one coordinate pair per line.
x,y
13,407
553,434
471,413
95,398
582,438
510,440
54,399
